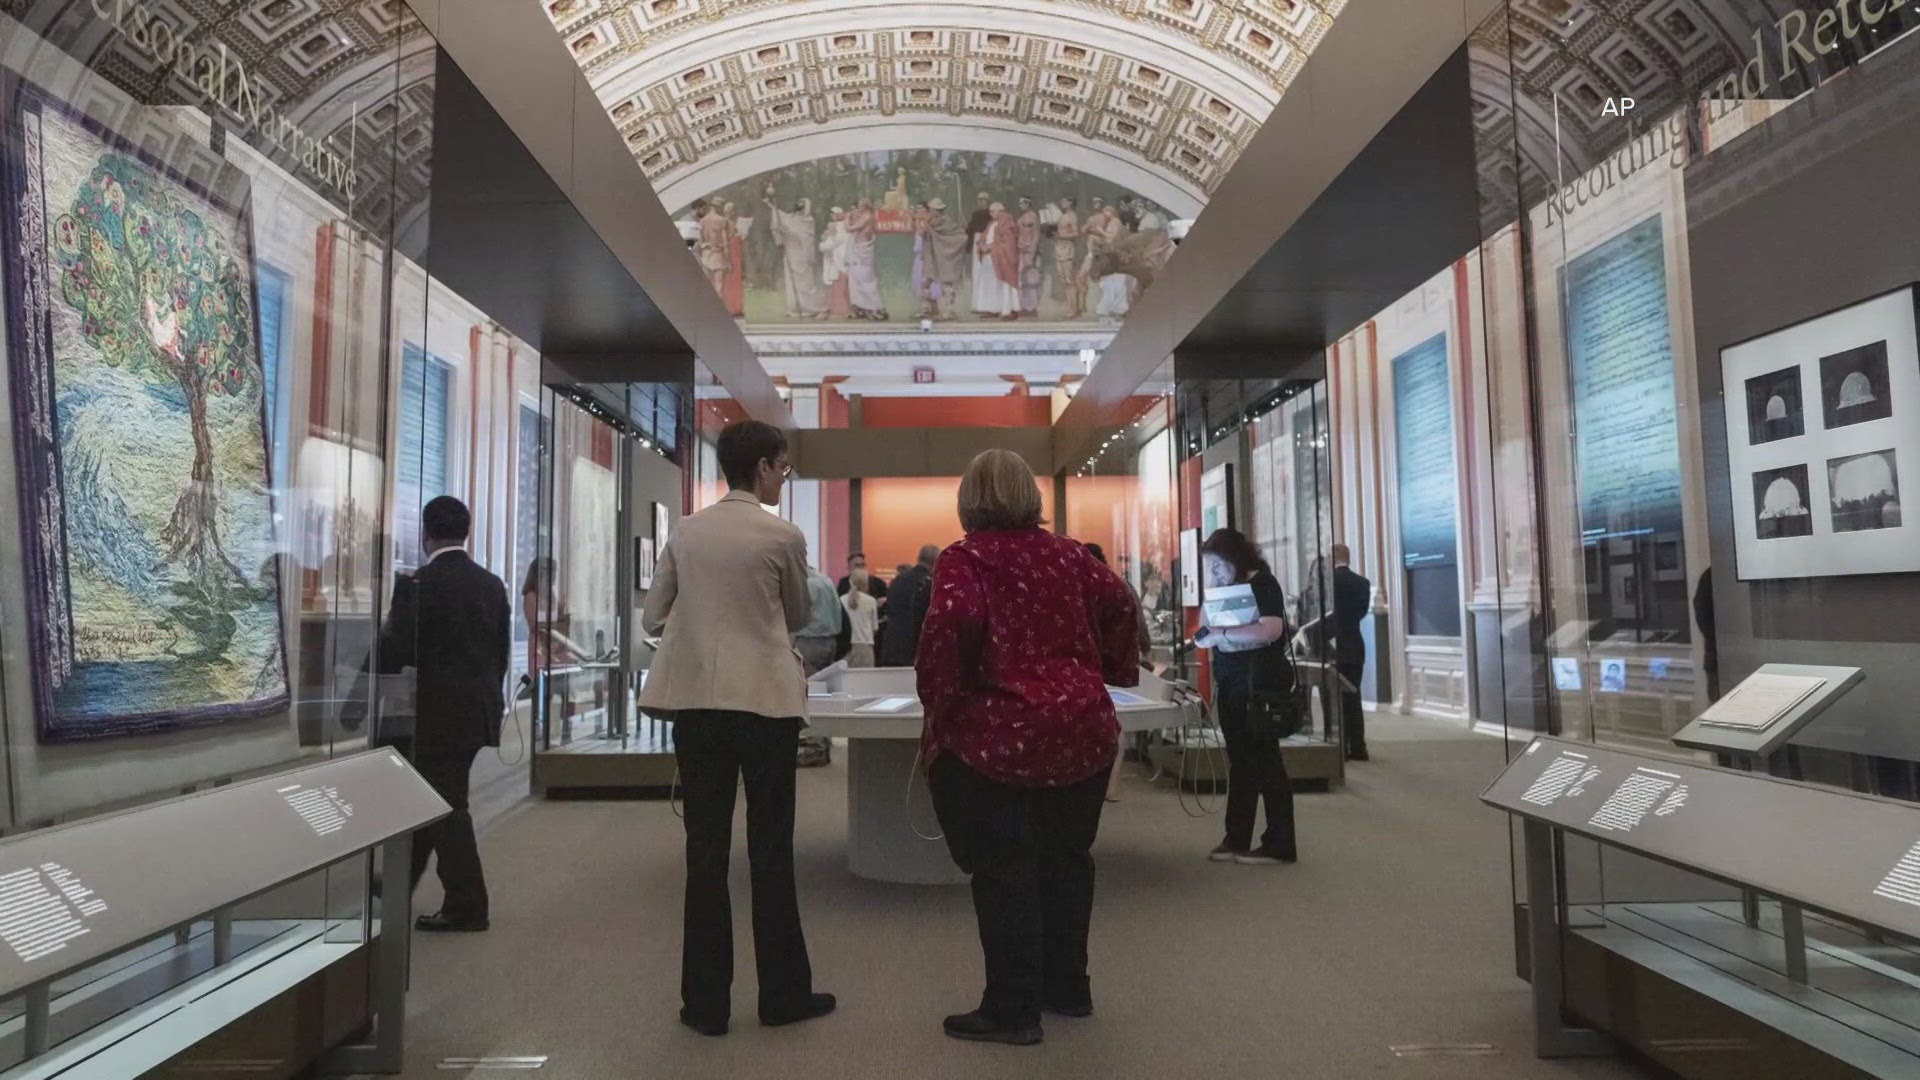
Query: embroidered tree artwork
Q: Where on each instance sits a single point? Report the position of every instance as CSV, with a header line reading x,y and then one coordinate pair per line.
x,y
153,555
161,297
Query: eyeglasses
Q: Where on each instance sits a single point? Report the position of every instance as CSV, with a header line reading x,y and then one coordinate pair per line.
x,y
785,467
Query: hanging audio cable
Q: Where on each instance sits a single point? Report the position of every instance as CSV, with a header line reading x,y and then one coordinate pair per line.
x,y
907,801
1200,807
510,718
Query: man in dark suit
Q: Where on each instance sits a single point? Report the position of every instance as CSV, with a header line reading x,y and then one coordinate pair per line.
x,y
1352,602
450,623
906,610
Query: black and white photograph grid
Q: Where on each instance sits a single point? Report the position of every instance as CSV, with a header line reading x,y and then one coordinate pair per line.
x,y
1781,504
1775,410
1864,491
1855,387
1822,421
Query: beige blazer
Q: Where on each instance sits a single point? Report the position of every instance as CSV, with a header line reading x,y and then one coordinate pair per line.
x,y
728,593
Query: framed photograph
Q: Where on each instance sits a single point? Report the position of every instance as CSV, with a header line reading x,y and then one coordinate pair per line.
x,y
1566,673
1816,479
662,527
643,555
1774,408
1216,499
1613,675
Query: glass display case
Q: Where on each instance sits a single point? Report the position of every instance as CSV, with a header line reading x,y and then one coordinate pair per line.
x,y
611,489
233,382
209,225
1693,468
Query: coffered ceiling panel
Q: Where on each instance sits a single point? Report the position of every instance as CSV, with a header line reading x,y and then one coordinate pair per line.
x,y
1174,88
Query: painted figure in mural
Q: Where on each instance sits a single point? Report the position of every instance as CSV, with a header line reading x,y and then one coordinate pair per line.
x,y
863,277
977,224
948,250
1136,259
735,290
925,289
996,286
1094,228
1115,286
896,197
793,230
833,264
1129,212
1029,223
763,254
715,246
1066,259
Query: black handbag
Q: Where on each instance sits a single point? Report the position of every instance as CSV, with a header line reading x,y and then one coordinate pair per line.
x,y
1276,706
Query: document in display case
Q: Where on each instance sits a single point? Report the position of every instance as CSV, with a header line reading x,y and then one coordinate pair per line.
x,y
1766,709
72,894
1853,856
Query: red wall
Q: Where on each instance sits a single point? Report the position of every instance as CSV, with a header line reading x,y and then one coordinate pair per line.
x,y
1006,410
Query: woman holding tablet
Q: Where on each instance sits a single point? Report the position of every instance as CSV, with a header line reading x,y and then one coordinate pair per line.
x,y
1250,668
1024,631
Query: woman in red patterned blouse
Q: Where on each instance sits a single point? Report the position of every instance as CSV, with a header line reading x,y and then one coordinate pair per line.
x,y
1024,631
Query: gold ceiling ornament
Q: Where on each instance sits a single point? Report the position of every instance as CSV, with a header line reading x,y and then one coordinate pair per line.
x,y
1061,88
1260,35
682,98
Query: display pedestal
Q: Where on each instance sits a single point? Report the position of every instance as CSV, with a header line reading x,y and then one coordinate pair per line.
x,y
881,843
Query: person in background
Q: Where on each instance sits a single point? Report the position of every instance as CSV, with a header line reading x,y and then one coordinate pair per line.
x,y
1247,660
728,591
1024,632
863,618
858,561
1352,601
906,610
823,640
453,625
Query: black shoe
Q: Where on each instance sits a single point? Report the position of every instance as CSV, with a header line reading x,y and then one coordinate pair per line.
x,y
1358,755
812,1007
710,1028
1077,1010
977,1026
442,923
1265,856
1225,852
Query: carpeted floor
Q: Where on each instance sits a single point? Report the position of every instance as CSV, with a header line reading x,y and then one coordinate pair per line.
x,y
1393,930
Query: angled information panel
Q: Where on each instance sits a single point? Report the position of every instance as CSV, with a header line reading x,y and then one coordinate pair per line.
x,y
1855,856
72,894
1768,708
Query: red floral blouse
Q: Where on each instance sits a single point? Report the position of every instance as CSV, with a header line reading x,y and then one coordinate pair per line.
x,y
1024,631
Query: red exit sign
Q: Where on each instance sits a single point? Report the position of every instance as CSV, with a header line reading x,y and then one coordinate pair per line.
x,y
924,375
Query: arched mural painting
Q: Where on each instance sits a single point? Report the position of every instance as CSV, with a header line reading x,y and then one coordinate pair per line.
x,y
904,235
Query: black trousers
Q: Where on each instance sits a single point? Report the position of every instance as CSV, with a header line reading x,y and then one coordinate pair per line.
x,y
718,752
1256,773
448,770
1028,851
1353,718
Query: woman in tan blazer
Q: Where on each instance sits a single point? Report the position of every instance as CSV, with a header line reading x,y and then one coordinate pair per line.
x,y
729,591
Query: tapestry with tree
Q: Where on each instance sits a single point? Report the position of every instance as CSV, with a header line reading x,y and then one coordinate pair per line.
x,y
140,438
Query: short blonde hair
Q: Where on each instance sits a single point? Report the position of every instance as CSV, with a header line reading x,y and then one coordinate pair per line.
x,y
999,492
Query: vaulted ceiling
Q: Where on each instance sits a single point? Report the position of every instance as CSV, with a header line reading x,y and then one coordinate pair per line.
x,y
1160,95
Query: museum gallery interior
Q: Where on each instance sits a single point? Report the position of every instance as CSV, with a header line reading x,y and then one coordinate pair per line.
x,y
1517,395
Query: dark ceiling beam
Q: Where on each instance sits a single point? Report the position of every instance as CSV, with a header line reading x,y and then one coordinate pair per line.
x,y
1376,56
511,53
